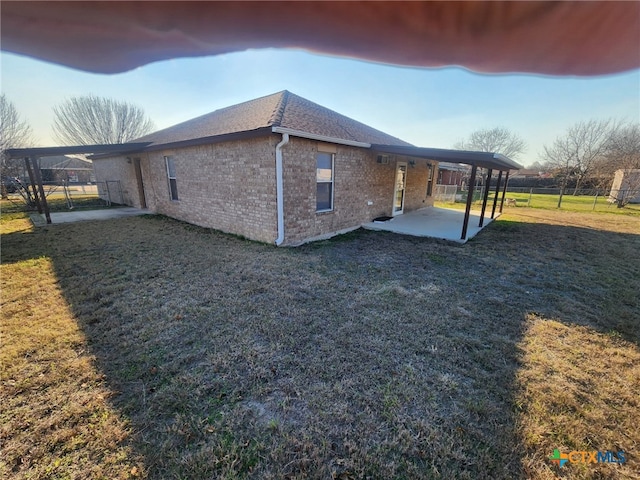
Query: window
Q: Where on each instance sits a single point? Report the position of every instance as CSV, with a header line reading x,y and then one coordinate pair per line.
x,y
171,176
324,182
430,180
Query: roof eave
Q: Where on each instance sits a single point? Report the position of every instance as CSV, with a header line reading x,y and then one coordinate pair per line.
x,y
481,159
321,138
507,160
73,149
226,137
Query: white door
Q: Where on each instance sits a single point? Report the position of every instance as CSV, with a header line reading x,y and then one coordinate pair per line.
x,y
400,185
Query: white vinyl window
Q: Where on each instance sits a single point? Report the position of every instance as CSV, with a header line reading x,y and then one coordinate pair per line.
x,y
324,182
171,177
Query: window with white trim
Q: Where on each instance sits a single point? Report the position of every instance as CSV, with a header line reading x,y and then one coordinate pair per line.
x,y
171,177
324,182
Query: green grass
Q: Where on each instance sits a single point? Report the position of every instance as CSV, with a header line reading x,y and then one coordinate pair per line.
x,y
571,203
579,203
146,348
57,203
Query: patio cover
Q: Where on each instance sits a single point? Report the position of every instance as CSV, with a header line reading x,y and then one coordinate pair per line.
x,y
494,161
489,160
31,155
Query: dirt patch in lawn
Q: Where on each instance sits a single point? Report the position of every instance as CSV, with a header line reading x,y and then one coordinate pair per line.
x,y
373,355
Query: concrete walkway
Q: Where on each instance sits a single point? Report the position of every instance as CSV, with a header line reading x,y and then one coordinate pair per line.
x,y
85,215
435,222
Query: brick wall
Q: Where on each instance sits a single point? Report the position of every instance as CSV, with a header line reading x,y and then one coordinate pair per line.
x,y
358,180
118,169
231,187
415,195
228,186
450,177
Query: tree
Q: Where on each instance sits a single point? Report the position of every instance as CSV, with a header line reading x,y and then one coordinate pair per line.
x,y
90,120
14,133
497,140
623,153
575,155
623,148
537,165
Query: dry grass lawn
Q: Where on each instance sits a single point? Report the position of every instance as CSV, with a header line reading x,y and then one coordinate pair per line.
x,y
149,348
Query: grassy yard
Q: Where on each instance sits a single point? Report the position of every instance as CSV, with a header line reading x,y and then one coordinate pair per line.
x,y
149,348
570,203
57,203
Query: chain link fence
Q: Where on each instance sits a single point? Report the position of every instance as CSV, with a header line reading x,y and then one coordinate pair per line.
x,y
64,196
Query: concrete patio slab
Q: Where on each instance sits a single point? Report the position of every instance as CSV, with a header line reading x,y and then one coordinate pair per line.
x,y
434,222
86,215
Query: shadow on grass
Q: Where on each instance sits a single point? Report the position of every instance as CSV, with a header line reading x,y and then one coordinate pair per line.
x,y
382,356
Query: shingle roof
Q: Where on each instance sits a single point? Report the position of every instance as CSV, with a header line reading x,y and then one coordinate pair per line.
x,y
62,162
282,109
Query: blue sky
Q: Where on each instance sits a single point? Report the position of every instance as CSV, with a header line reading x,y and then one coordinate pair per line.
x,y
427,107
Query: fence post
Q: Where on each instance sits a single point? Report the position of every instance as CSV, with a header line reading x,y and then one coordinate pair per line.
x,y
530,194
595,201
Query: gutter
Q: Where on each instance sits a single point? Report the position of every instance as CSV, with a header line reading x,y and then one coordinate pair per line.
x,y
279,184
285,132
322,138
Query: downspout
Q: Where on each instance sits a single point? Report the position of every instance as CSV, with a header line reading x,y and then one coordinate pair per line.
x,y
279,188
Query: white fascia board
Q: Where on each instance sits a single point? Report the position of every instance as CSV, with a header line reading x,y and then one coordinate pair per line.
x,y
321,138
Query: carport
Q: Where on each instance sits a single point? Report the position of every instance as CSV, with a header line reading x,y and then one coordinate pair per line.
x,y
492,162
32,155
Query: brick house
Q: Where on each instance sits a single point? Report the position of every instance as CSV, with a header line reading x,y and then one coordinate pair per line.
x,y
62,168
278,169
453,174
56,169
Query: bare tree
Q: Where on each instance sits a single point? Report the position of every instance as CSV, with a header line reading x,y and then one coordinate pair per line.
x,y
575,155
14,133
90,120
624,146
537,165
623,153
497,140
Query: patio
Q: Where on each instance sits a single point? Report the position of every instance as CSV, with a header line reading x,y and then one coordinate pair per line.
x,y
39,219
435,222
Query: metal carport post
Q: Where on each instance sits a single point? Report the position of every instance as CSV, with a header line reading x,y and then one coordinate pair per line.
x,y
31,156
472,182
485,197
495,198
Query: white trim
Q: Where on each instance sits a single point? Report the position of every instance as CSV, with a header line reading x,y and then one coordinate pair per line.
x,y
332,182
279,188
395,188
322,138
168,158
